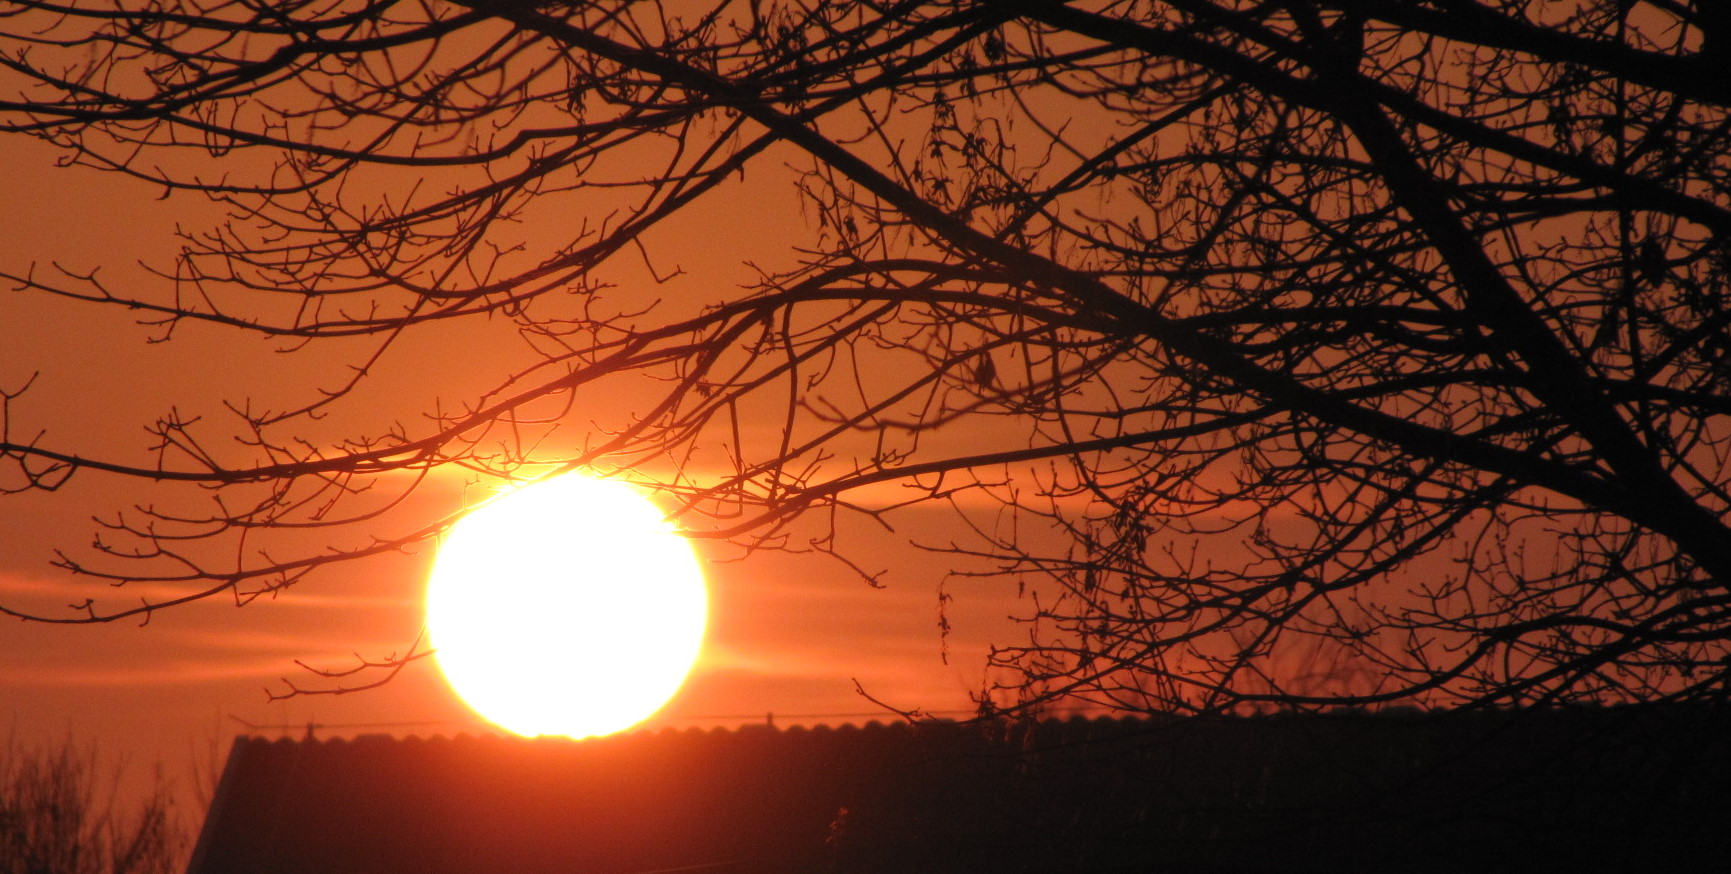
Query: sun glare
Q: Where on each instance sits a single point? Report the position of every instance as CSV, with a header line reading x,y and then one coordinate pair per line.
x,y
569,607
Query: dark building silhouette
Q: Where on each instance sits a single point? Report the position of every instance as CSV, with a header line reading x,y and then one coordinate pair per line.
x,y
1578,790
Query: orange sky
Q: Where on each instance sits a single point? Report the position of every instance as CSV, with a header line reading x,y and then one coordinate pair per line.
x,y
789,634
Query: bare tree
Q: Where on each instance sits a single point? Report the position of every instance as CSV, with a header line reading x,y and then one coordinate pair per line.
x,y
54,819
1388,333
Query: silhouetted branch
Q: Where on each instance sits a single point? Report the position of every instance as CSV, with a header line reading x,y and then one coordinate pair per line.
x,y
1243,337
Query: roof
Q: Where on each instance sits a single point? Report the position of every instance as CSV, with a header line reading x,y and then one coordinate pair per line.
x,y
1486,791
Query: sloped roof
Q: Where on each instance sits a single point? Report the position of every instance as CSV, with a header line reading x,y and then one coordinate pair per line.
x,y
1555,791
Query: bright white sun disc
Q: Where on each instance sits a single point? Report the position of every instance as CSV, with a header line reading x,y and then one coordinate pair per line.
x,y
569,607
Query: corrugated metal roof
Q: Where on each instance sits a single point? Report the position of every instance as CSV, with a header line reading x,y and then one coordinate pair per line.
x,y
1453,792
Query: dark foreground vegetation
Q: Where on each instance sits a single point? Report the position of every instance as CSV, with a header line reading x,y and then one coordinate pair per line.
x,y
59,814
1636,789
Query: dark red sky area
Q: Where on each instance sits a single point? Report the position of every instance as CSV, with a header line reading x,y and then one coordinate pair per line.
x,y
789,634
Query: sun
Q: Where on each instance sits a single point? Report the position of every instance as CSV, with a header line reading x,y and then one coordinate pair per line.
x,y
567,607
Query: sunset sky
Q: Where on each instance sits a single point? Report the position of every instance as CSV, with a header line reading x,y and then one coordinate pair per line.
x,y
789,634
1314,358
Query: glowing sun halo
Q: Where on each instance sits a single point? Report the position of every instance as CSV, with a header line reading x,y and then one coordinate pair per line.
x,y
567,607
